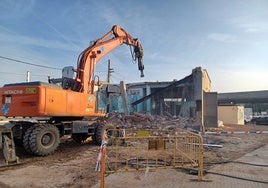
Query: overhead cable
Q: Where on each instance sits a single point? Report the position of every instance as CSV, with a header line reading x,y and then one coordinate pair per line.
x,y
24,62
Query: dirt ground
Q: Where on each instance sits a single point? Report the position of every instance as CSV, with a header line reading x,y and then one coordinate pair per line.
x,y
73,165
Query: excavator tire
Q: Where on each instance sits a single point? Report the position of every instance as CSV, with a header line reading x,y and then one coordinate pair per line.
x,y
44,140
26,139
99,130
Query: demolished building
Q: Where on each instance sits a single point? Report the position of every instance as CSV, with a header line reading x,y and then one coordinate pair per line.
x,y
189,97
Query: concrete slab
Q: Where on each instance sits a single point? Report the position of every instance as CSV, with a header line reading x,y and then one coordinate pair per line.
x,y
258,173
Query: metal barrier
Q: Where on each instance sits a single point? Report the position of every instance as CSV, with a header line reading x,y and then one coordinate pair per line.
x,y
137,150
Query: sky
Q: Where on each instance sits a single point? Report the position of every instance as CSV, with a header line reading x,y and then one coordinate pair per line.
x,y
228,38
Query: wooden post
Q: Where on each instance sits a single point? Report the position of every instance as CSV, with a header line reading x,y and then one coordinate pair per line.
x,y
103,158
103,153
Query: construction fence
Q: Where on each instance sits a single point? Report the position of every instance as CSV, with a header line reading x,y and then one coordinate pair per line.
x,y
143,150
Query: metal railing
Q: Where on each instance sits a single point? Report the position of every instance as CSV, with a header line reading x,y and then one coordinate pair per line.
x,y
137,150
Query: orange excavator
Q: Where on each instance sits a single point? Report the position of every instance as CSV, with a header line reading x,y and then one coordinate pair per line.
x,y
39,113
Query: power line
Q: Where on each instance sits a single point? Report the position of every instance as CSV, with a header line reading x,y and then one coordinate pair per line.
x,y
19,74
23,74
27,63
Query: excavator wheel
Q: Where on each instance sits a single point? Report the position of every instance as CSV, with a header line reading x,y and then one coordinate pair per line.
x,y
44,140
99,130
26,139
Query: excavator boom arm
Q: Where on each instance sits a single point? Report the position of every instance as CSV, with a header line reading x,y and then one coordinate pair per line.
x,y
101,47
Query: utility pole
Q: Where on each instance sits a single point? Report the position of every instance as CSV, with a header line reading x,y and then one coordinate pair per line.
x,y
28,76
110,71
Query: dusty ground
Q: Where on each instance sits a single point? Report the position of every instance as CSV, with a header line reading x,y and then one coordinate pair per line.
x,y
73,165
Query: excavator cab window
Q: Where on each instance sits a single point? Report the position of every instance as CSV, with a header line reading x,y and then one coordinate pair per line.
x,y
67,77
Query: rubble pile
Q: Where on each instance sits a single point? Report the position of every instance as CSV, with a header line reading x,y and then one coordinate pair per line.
x,y
147,121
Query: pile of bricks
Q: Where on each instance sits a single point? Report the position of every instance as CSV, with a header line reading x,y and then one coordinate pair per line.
x,y
147,121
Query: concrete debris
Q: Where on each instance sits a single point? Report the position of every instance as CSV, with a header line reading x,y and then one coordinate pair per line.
x,y
147,121
220,123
